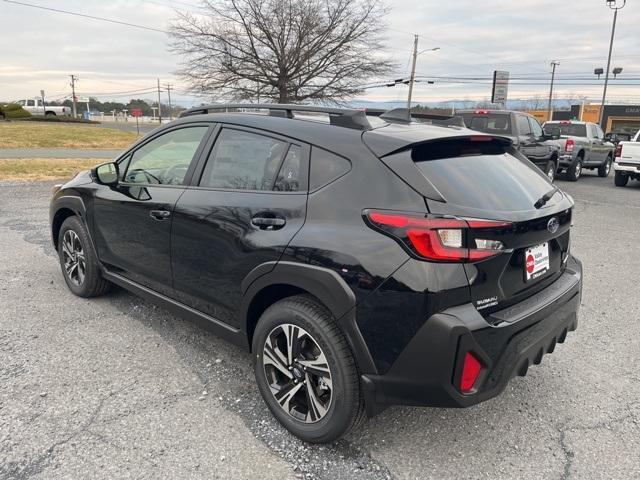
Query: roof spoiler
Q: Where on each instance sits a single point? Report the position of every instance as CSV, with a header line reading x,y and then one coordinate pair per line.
x,y
404,115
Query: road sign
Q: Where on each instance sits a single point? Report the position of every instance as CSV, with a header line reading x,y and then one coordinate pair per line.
x,y
136,112
500,86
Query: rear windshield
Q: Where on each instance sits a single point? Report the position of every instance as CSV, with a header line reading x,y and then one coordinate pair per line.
x,y
573,129
497,123
481,175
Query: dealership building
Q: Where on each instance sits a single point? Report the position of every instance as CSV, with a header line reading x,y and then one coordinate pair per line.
x,y
617,118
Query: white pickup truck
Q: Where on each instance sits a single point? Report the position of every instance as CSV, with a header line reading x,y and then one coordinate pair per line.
x,y
627,164
34,107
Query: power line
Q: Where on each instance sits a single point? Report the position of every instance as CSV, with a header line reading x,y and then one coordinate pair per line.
x,y
92,17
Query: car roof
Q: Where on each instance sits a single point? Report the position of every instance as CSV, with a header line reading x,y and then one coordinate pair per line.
x,y
382,140
484,111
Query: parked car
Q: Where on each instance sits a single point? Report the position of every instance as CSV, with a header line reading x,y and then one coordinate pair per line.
x,y
363,262
582,146
627,164
523,129
11,111
35,107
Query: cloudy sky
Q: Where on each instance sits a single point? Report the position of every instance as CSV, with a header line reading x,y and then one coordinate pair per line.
x,y
39,49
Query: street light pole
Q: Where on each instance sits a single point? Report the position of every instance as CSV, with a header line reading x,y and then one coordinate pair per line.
x,y
412,79
612,4
554,64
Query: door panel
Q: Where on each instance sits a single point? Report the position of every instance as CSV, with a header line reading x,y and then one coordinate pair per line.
x,y
132,221
250,202
129,240
217,240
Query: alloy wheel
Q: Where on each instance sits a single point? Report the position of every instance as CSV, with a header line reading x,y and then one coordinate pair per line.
x,y
73,257
551,173
298,373
607,168
578,169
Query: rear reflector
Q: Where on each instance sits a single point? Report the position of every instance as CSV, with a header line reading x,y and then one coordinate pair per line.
x,y
470,373
436,238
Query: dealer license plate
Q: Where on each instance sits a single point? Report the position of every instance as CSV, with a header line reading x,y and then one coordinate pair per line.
x,y
536,261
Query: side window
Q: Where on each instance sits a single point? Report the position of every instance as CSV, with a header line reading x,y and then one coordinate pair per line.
x,y
243,161
535,127
165,159
600,132
325,168
31,103
288,179
594,130
524,128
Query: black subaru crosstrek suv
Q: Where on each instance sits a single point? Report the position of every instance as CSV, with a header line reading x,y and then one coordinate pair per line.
x,y
363,261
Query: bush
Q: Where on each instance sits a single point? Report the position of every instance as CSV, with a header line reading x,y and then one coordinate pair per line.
x,y
13,110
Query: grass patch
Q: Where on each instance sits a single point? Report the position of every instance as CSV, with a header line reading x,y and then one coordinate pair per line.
x,y
40,169
40,135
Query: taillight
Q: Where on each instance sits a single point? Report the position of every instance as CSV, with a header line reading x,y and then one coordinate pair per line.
x,y
570,145
437,238
482,112
618,150
471,369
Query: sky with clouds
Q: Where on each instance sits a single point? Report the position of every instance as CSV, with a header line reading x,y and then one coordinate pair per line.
x,y
39,49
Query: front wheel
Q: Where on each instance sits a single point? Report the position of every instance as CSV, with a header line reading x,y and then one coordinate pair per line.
x,y
605,168
78,260
621,180
305,370
551,170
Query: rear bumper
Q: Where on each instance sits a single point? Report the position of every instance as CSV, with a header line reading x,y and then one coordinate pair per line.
x,y
566,160
627,167
428,371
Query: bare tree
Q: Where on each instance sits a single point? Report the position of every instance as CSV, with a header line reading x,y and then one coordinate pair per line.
x,y
282,50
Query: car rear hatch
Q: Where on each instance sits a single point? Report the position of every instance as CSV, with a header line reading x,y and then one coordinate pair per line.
x,y
516,225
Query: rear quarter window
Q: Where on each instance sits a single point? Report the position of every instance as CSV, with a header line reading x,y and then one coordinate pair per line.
x,y
325,168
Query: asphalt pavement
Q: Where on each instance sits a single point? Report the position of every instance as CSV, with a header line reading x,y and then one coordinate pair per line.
x,y
118,388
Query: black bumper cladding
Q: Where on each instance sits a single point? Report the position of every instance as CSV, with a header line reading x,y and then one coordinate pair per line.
x,y
428,371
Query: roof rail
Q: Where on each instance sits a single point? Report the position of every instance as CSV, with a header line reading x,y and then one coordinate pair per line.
x,y
341,117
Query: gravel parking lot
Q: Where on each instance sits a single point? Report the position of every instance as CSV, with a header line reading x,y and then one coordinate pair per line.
x,y
117,388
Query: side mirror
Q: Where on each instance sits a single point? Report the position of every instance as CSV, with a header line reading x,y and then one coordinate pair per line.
x,y
106,174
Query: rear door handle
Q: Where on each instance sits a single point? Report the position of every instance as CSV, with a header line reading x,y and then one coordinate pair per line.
x,y
159,214
268,223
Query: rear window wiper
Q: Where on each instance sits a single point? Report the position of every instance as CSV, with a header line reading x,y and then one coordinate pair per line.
x,y
542,201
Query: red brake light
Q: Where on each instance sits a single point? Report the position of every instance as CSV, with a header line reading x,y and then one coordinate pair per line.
x,y
482,112
436,238
470,372
570,145
565,122
481,138
618,150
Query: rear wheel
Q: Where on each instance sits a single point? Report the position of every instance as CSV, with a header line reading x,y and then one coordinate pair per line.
x,y
305,370
605,168
50,114
78,260
621,180
574,172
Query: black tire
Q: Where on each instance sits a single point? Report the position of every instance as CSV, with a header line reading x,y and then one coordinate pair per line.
x,y
2,116
345,407
90,283
551,170
621,180
574,172
605,168
50,114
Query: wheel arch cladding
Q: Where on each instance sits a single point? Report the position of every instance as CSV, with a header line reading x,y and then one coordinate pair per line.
x,y
330,290
65,207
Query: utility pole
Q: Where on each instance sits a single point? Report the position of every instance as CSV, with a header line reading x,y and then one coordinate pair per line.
x,y
169,88
554,64
74,79
159,108
612,4
412,79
